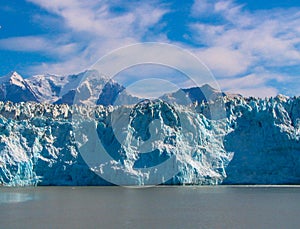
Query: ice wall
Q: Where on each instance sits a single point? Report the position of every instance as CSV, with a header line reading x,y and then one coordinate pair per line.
x,y
256,143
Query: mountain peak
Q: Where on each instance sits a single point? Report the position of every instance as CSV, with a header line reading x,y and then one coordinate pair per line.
x,y
15,89
17,79
12,76
14,73
207,86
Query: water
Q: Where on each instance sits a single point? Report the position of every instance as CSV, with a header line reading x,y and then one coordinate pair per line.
x,y
158,207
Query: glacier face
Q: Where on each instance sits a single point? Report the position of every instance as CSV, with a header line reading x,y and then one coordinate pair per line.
x,y
256,142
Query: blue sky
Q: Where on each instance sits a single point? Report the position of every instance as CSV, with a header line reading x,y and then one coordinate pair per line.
x,y
252,47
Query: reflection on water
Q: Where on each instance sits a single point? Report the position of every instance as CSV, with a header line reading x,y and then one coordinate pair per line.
x,y
10,198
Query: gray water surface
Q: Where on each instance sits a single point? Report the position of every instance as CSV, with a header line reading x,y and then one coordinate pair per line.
x,y
156,207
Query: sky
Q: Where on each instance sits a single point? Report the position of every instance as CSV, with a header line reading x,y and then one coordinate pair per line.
x,y
251,47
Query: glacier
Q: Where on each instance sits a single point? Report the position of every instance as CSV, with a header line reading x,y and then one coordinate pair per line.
x,y
255,141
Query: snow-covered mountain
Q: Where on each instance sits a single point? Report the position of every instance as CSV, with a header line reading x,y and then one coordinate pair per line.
x,y
15,89
89,87
63,89
55,89
200,94
257,142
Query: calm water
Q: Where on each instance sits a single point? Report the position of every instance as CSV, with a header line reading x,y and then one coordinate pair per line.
x,y
158,207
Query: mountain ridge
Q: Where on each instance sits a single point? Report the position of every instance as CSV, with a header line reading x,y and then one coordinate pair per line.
x,y
88,87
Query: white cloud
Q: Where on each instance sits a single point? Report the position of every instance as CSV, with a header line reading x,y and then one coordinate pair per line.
x,y
23,43
97,30
262,92
95,17
81,60
38,44
242,41
223,6
254,84
224,62
201,7
272,41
